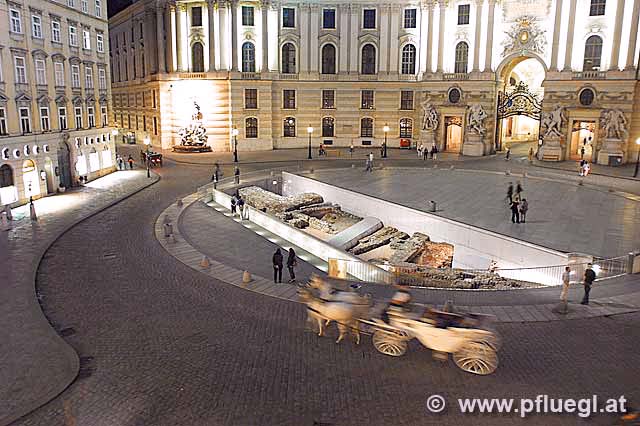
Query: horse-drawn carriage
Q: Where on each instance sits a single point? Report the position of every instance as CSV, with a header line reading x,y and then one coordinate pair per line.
x,y
465,335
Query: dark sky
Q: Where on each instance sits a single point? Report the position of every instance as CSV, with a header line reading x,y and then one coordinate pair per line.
x,y
115,6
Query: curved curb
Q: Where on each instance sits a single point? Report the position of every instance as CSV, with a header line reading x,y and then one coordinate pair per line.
x,y
70,352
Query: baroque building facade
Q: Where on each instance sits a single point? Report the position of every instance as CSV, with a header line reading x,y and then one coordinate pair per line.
x,y
54,97
472,76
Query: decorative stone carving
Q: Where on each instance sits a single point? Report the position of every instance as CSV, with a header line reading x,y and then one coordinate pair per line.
x,y
614,124
524,34
477,115
552,122
430,119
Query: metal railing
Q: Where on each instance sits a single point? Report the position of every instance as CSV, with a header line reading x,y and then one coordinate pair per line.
x,y
589,75
455,76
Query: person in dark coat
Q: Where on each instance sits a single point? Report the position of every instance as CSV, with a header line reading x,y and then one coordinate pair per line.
x,y
130,161
292,262
589,278
234,203
277,266
236,175
515,212
510,192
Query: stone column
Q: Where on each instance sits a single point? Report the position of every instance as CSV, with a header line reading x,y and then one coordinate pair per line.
x,y
488,58
443,8
304,21
180,10
170,19
633,37
430,7
354,48
385,27
556,36
313,42
160,43
264,14
476,39
617,34
223,19
572,23
345,30
395,29
234,35
212,35
150,47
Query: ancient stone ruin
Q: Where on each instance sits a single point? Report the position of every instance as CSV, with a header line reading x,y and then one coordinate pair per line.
x,y
273,203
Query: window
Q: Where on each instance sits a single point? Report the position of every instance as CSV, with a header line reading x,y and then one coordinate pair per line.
x,y
328,59
71,3
410,18
328,127
155,126
288,58
91,116
328,99
86,39
328,19
288,99
369,19
463,14
98,8
102,79
406,99
251,98
592,53
454,95
586,97
105,118
75,76
247,16
409,59
197,56
366,127
21,70
251,127
196,16
44,119
597,7
16,21
25,120
100,43
84,5
3,121
6,176
41,74
248,57
55,32
406,128
368,59
78,114
73,35
36,26
62,118
462,57
366,99
88,78
288,17
289,129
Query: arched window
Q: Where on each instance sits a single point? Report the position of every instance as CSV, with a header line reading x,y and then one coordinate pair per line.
x,y
328,59
592,53
289,129
251,128
406,128
368,59
6,176
248,57
409,59
288,58
197,57
462,57
366,127
328,127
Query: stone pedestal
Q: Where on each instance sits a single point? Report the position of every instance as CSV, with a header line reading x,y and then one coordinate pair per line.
x,y
473,145
551,149
427,137
611,147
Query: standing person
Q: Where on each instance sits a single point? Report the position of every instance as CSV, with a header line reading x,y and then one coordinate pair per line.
x,y
515,212
566,276
519,189
236,174
582,150
581,168
510,192
130,161
434,151
420,150
589,278
586,168
371,161
216,172
241,207
120,162
292,262
234,203
531,155
507,154
351,150
425,153
524,207
277,266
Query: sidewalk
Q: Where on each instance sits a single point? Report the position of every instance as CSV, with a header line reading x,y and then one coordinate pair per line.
x,y
36,364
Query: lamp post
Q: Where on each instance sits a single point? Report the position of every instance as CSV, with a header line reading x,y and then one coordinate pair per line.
x,y
635,174
147,142
235,133
309,131
385,129
114,133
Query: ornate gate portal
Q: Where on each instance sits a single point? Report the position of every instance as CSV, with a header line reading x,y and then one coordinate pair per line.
x,y
520,101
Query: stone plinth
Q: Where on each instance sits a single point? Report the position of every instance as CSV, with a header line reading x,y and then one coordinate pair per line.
x,y
427,137
551,149
611,147
473,145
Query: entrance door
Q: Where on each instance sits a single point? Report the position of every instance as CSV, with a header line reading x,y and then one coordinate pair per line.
x,y
582,140
453,134
519,102
48,169
64,165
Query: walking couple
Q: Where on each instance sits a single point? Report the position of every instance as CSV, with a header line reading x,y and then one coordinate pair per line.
x,y
518,205
277,260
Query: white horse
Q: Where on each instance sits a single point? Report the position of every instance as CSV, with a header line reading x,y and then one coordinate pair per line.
x,y
328,293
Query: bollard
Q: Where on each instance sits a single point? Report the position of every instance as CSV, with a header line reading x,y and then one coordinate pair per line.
x,y
246,277
7,210
179,203
168,229
32,212
432,206
205,263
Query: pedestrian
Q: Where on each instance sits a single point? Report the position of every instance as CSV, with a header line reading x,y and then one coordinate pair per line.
x,y
434,151
531,155
581,168
371,161
586,168
241,207
507,154
566,276
510,192
130,161
236,174
215,177
277,266
321,150
515,213
518,189
589,278
120,162
582,150
420,151
292,262
351,149
234,203
524,207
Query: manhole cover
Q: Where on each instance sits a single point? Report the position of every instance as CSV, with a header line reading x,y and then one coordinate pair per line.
x,y
69,331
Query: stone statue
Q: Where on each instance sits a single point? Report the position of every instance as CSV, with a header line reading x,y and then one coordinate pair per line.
x,y
193,138
552,122
477,115
429,115
614,124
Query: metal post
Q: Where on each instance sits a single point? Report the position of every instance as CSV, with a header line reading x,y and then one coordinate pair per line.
x,y
309,156
635,174
235,148
147,159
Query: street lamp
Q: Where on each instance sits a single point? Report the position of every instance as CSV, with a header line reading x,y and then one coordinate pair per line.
x,y
385,129
309,130
635,174
235,133
114,133
147,142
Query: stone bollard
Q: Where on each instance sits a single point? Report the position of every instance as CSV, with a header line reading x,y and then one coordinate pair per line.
x,y
246,277
168,229
7,210
205,263
179,202
432,206
507,173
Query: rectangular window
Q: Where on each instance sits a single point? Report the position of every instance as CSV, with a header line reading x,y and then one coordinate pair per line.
x,y
55,32
21,70
78,114
328,18
75,76
36,26
144,123
597,7
102,79
62,118
463,14
88,77
59,73
16,21
406,99
41,73
196,16
84,5
288,17
366,99
100,43
3,121
250,98
155,126
73,36
98,8
86,39
328,99
247,16
91,116
410,18
288,99
103,113
71,3
366,127
44,119
25,120
369,20
251,128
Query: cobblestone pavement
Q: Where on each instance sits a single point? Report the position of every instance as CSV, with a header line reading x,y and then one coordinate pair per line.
x,y
162,344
